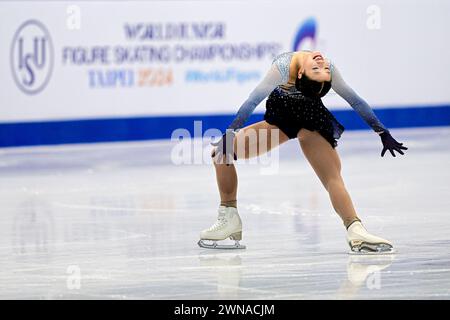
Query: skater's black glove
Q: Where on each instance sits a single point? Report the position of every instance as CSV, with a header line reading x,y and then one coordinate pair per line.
x,y
223,151
389,143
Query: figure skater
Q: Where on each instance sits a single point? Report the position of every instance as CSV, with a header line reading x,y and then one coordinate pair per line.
x,y
295,84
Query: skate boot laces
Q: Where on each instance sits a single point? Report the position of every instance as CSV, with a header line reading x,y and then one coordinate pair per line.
x,y
220,223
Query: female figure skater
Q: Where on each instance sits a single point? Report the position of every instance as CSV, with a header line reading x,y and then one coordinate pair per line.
x,y
295,84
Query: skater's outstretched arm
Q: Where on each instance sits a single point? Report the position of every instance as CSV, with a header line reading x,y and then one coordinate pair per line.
x,y
363,109
272,79
355,101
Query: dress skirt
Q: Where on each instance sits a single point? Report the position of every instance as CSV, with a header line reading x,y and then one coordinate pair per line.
x,y
290,110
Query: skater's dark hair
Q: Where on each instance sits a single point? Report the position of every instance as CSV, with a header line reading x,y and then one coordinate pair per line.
x,y
312,88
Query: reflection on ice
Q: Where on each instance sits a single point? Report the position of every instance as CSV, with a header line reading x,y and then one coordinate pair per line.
x,y
364,270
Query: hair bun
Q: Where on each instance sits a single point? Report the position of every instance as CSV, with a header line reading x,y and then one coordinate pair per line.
x,y
312,88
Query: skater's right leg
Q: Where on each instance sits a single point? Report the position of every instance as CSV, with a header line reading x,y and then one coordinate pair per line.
x,y
247,144
251,141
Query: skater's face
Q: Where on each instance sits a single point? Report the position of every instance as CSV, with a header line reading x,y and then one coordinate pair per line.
x,y
316,68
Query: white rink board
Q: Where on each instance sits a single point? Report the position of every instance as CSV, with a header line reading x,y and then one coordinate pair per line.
x,y
403,63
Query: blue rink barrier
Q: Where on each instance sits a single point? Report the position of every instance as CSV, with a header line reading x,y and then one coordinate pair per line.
x,y
161,127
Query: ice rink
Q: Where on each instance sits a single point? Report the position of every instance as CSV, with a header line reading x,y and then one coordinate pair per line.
x,y
121,221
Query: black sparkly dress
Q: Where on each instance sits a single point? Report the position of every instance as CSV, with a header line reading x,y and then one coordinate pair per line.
x,y
290,110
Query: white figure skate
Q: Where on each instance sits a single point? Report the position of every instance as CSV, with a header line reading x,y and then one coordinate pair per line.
x,y
362,242
228,225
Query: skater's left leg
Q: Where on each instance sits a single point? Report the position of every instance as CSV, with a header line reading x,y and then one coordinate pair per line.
x,y
327,165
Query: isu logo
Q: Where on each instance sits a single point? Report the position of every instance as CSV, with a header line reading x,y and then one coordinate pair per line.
x,y
31,57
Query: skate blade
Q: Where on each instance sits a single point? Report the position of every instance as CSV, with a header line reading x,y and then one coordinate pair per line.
x,y
215,245
371,249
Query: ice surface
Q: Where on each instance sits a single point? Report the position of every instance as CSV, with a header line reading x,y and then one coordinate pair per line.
x,y
121,221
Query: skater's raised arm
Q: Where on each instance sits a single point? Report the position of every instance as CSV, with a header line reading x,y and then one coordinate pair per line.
x,y
272,79
363,109
355,101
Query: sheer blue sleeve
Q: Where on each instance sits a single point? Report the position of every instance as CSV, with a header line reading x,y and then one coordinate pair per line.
x,y
355,101
272,79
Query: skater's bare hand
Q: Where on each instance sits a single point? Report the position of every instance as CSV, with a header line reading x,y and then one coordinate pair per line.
x,y
223,151
389,143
